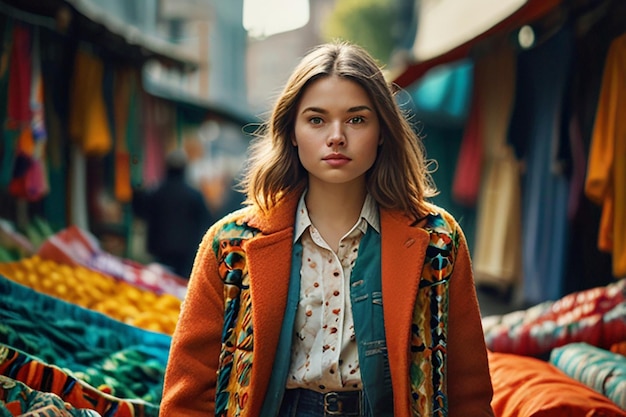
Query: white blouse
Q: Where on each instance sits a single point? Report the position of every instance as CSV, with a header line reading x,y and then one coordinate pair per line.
x,y
324,353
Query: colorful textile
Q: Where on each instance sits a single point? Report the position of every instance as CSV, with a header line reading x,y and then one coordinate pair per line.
x,y
595,316
18,399
53,337
61,386
599,369
429,333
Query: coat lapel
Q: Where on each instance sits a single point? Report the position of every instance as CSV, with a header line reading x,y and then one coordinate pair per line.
x,y
402,252
269,263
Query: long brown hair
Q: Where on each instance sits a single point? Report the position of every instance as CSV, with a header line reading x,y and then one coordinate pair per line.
x,y
399,178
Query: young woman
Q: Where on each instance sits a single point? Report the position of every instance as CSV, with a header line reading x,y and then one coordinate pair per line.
x,y
338,290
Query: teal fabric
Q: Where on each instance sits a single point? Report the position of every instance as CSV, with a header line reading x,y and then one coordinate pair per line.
x,y
600,369
443,95
278,379
93,347
366,297
441,102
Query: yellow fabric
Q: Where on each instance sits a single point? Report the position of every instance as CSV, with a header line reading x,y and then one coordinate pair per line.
x,y
606,172
88,122
123,81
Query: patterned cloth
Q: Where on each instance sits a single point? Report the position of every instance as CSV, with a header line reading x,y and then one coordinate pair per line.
x,y
599,369
50,346
30,384
429,334
17,399
595,316
325,356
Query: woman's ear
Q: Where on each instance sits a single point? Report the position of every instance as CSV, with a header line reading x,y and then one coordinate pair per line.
x,y
380,140
293,141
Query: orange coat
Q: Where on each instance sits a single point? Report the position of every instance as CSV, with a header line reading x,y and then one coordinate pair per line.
x,y
190,380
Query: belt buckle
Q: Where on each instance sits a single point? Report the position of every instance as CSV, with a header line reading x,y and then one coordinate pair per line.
x,y
334,405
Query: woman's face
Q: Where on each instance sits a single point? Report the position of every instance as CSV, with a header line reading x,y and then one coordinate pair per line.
x,y
337,132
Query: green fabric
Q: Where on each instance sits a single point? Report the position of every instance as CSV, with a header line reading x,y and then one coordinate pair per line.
x,y
93,347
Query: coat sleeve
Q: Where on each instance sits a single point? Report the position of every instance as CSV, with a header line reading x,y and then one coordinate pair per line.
x,y
191,373
469,383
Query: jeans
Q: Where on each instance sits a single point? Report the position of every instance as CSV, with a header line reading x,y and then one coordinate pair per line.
x,y
306,403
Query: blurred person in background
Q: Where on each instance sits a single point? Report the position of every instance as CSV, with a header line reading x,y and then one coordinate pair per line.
x,y
176,216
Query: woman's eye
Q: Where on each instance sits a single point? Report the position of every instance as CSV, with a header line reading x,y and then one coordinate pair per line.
x,y
356,120
315,120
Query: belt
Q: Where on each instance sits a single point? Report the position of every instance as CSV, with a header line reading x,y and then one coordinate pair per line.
x,y
335,403
343,403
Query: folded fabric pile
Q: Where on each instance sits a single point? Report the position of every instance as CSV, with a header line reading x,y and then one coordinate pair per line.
x,y
594,316
602,370
88,360
530,387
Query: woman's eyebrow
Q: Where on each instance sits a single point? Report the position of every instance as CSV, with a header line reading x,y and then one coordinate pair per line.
x,y
359,108
314,110
354,109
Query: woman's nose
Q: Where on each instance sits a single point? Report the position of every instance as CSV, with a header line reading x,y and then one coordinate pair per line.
x,y
336,136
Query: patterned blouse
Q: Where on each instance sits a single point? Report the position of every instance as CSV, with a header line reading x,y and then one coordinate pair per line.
x,y
324,353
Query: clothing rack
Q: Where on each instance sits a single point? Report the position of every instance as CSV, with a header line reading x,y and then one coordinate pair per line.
x,y
27,17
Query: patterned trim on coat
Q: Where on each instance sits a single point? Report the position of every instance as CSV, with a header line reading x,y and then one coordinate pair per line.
x,y
430,318
429,331
236,353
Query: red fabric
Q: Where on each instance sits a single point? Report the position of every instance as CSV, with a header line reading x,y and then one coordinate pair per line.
x,y
20,70
466,185
593,316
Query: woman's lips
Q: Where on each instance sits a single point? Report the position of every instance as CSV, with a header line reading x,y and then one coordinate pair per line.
x,y
336,160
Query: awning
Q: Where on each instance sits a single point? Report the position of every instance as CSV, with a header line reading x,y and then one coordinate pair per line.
x,y
448,29
197,108
105,30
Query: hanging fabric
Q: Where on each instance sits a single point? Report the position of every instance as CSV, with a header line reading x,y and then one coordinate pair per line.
x,y
122,98
497,248
88,120
29,180
606,172
542,74
466,183
19,112
37,179
17,129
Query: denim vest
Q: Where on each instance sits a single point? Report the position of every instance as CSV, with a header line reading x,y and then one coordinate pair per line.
x,y
367,307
